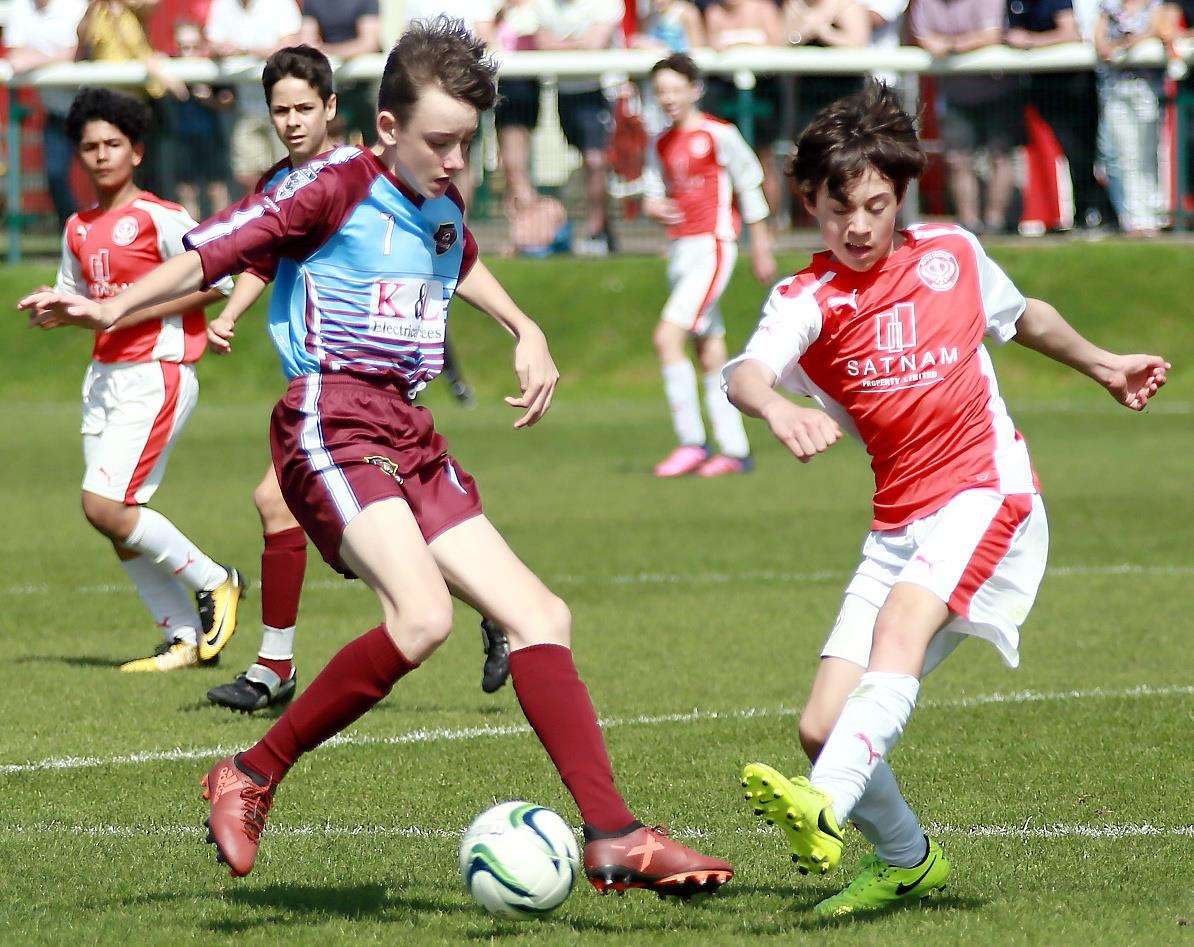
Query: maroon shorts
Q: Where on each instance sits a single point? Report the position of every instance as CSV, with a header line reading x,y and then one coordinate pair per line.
x,y
340,443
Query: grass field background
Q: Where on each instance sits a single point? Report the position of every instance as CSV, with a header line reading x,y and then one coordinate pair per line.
x,y
1061,791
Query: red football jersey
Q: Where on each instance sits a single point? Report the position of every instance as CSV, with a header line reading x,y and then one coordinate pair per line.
x,y
104,252
896,356
702,168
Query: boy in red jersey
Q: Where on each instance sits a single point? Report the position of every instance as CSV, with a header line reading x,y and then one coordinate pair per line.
x,y
703,181
885,330
141,387
380,247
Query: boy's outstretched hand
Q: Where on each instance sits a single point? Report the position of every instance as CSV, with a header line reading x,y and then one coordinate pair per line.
x,y
50,310
1134,379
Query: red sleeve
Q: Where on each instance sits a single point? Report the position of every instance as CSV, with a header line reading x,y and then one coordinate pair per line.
x,y
294,221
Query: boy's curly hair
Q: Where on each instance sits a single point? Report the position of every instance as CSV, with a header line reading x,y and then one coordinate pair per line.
x,y
868,129
104,105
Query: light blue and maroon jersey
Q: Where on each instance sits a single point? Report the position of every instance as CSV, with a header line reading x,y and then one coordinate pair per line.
x,y
375,266
273,177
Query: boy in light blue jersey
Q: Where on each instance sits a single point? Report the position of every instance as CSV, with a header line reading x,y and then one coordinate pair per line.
x,y
381,247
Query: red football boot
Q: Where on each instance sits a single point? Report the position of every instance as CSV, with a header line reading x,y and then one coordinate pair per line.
x,y
238,811
647,858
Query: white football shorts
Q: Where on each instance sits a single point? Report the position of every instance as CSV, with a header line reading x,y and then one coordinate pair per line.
x,y
698,269
983,554
132,414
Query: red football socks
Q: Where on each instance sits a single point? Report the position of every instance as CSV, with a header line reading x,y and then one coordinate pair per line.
x,y
557,706
358,676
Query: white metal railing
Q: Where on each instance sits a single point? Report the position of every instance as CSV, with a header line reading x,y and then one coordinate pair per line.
x,y
743,62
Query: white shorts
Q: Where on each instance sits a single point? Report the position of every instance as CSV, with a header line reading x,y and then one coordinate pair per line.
x,y
698,269
132,414
983,554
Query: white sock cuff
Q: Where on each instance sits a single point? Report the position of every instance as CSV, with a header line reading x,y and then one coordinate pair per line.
x,y
680,372
277,644
904,685
137,533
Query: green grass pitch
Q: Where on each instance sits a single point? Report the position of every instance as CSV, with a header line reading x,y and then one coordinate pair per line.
x,y
1060,791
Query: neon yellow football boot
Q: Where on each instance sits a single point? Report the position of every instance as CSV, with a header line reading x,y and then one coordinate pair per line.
x,y
217,612
880,885
167,656
804,813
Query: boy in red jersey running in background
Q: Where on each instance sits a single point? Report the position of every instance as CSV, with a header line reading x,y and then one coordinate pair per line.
x,y
381,247
702,181
299,90
885,330
141,386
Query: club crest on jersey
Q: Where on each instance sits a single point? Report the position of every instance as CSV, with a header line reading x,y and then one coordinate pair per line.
x,y
125,231
938,270
385,465
445,238
698,146
895,330
295,180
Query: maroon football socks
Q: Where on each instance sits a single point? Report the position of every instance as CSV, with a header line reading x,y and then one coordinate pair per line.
x,y
557,705
283,563
358,676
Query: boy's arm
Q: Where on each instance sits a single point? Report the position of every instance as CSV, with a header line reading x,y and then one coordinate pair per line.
x,y
1132,380
805,432
187,303
746,178
788,326
221,329
537,373
177,277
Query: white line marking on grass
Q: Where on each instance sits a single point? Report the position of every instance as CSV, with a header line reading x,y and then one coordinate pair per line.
x,y
1027,831
448,735
654,578
1064,830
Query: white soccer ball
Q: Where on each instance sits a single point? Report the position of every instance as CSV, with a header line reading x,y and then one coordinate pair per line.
x,y
519,860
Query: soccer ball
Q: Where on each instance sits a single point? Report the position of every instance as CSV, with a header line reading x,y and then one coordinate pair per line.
x,y
519,860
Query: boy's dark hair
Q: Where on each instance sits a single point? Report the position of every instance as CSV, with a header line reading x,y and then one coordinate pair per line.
x,y
868,129
681,63
299,62
443,52
104,105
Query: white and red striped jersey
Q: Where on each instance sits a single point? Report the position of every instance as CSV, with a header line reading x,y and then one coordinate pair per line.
x,y
103,252
895,355
703,167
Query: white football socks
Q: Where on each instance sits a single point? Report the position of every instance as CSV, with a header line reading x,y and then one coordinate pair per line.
x,y
871,722
883,815
157,538
727,422
277,644
680,387
169,603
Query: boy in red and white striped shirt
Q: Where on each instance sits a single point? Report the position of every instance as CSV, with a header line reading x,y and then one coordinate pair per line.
x,y
884,331
141,387
703,181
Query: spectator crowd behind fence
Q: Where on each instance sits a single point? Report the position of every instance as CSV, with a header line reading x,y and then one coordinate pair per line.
x,y
1096,110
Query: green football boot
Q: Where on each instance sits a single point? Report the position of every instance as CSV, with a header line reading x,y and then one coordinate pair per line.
x,y
804,813
880,885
